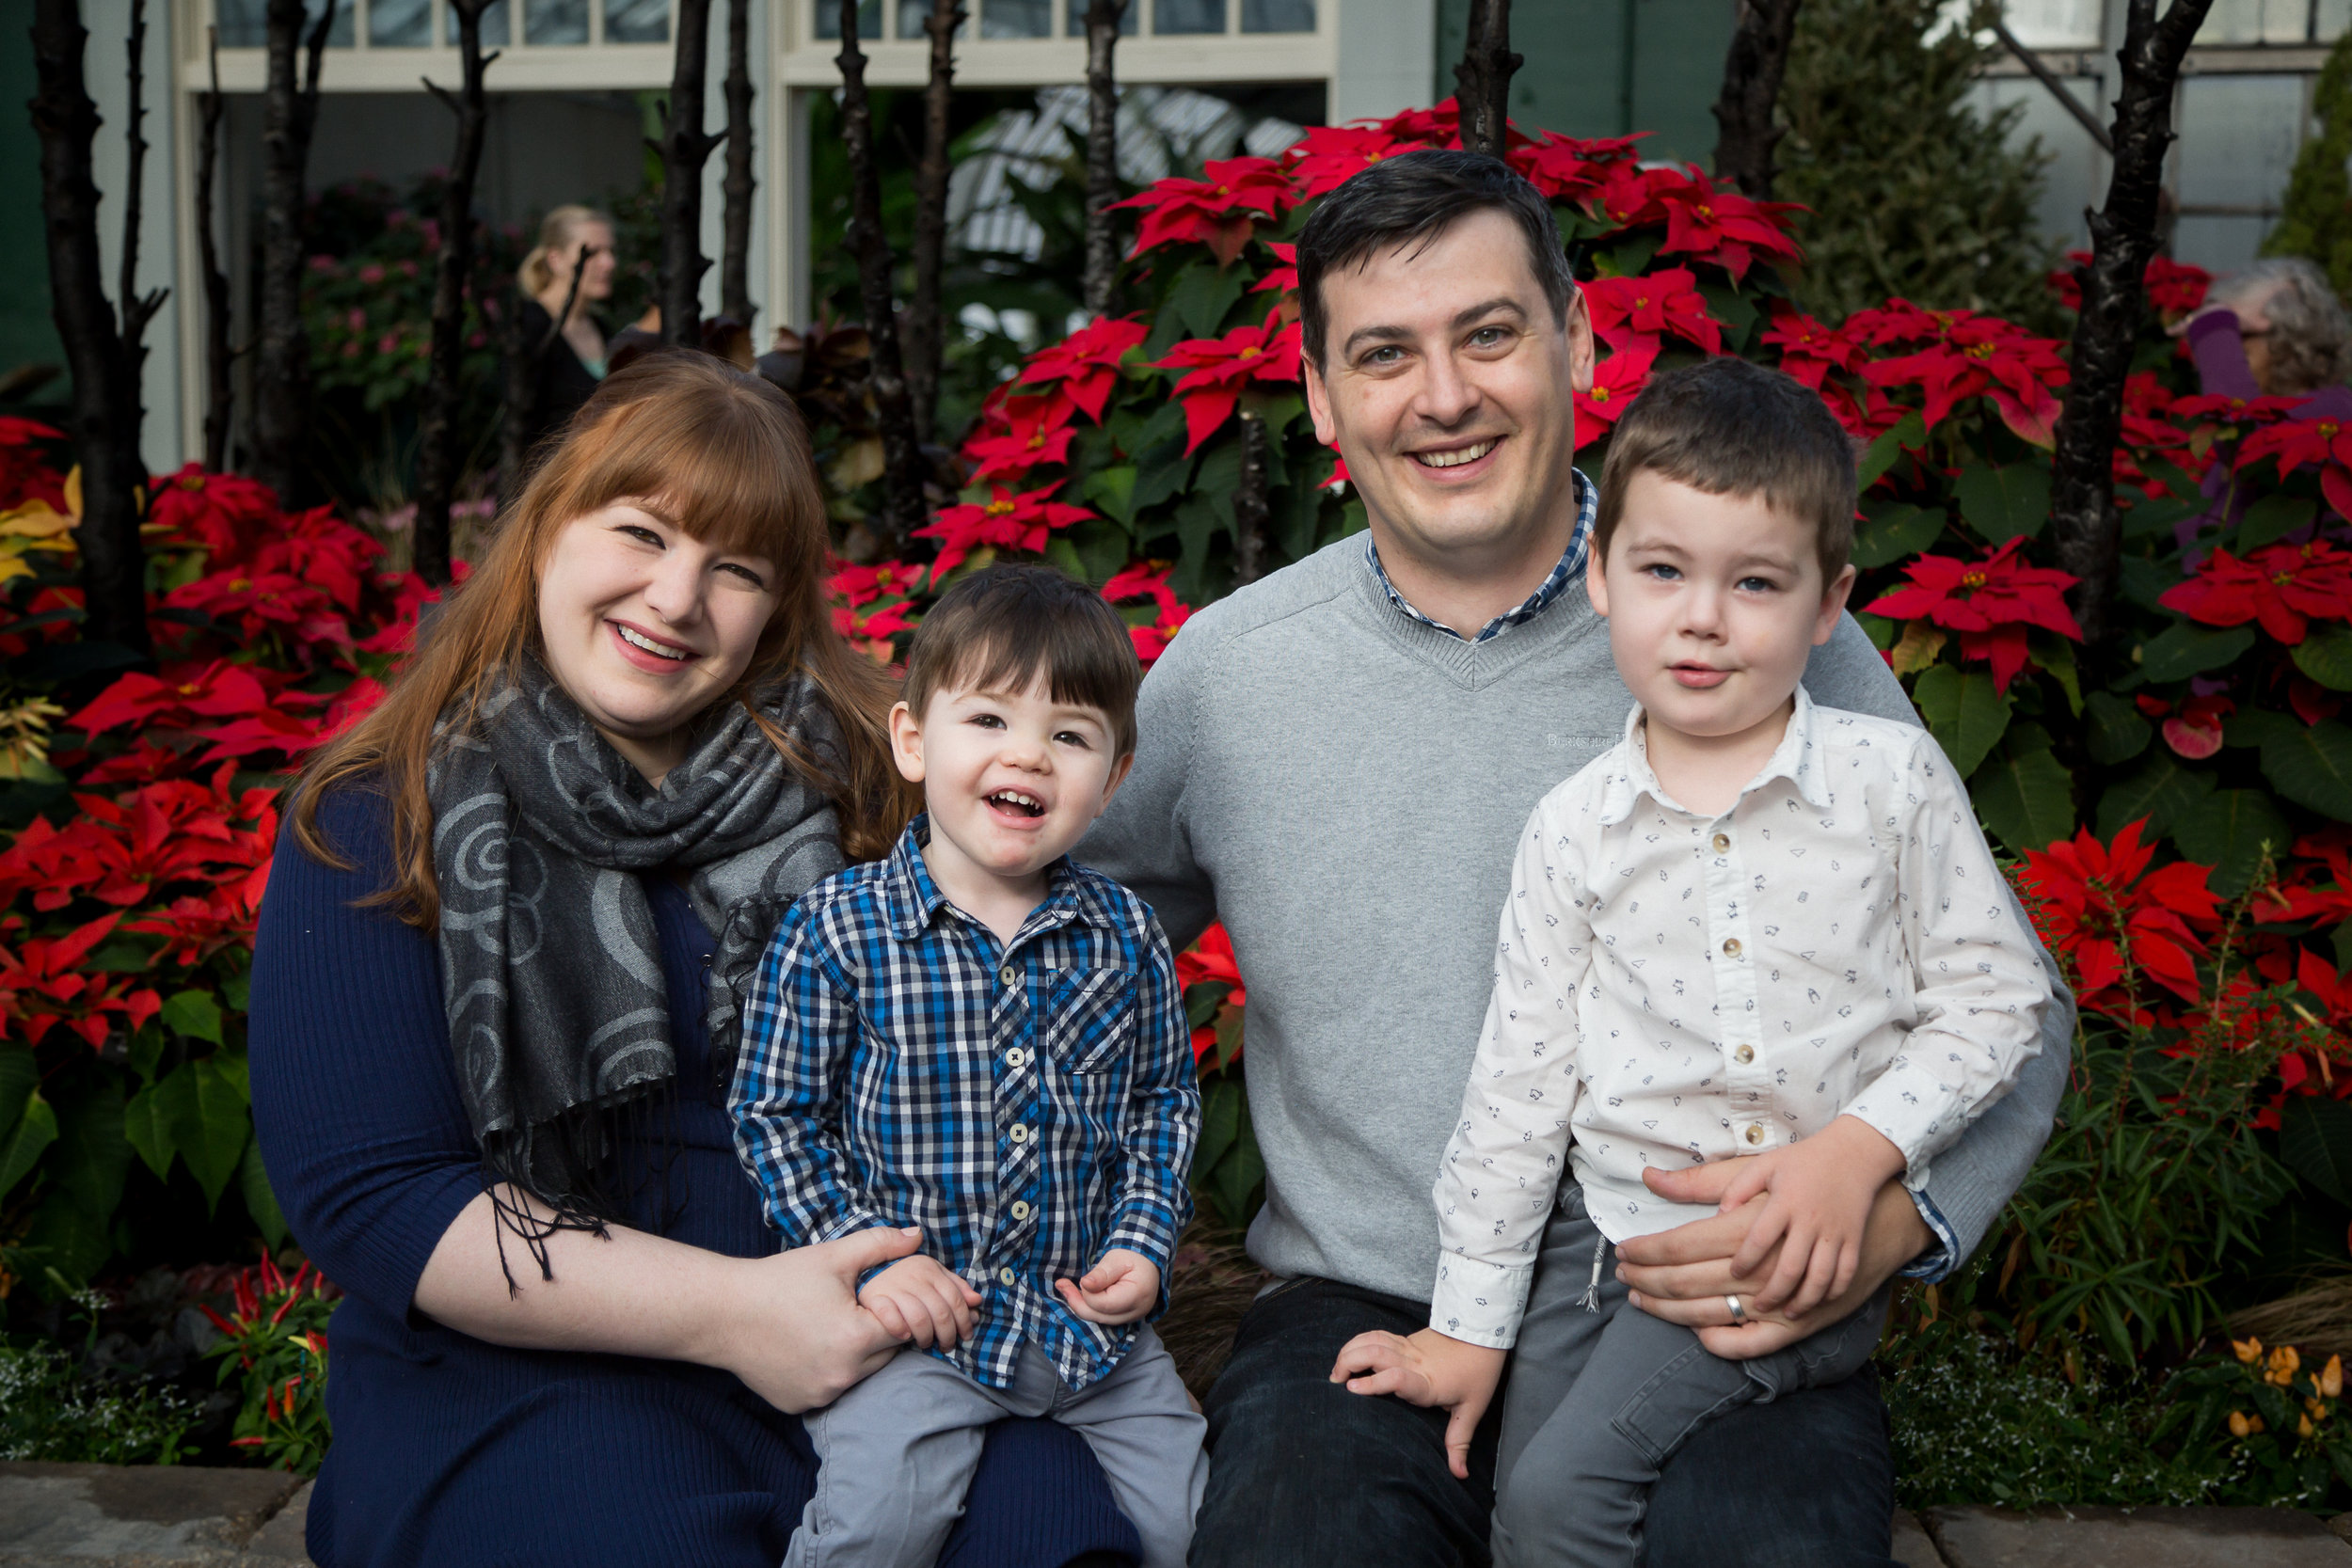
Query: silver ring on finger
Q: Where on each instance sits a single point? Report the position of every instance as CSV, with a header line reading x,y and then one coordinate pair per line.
x,y
1738,1313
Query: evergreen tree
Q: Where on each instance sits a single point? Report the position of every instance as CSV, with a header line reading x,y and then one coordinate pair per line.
x,y
2318,222
1913,192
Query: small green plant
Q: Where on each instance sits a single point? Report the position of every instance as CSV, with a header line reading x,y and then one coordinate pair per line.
x,y
2277,1418
2315,220
51,1410
276,1342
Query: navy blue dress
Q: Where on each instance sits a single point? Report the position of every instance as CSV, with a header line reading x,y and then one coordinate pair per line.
x,y
456,1452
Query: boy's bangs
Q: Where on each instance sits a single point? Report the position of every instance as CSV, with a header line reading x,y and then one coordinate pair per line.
x,y
1076,675
722,475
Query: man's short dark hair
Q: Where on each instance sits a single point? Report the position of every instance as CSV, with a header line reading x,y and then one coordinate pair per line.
x,y
1002,628
1727,427
1416,196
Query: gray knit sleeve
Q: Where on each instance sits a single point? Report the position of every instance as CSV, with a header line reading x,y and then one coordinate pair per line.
x,y
1144,839
1973,1181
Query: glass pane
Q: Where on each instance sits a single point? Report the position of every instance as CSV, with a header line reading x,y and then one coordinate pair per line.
x,y
555,21
2238,140
636,21
243,23
2256,22
1277,16
829,19
2056,23
1128,24
2221,245
399,23
494,25
342,32
1188,16
1005,19
2329,19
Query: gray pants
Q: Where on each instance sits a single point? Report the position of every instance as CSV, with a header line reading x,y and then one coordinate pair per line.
x,y
896,1454
1601,1395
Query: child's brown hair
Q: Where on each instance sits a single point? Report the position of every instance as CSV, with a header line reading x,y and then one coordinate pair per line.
x,y
1000,629
1727,427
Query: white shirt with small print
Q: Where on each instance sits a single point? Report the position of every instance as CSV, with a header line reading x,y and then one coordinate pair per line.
x,y
1678,988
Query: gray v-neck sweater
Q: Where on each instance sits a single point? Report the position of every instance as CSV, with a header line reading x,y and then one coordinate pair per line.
x,y
1344,786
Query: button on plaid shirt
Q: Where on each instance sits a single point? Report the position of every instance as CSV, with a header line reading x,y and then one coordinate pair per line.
x,y
1030,1107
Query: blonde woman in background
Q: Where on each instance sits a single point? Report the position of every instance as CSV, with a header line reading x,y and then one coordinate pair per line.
x,y
569,372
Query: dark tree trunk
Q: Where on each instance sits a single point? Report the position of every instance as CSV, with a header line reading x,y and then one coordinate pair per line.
x,y
734,252
1102,275
219,394
135,309
1250,505
105,415
289,107
930,219
1483,80
2083,524
684,150
886,374
436,421
1745,135
525,359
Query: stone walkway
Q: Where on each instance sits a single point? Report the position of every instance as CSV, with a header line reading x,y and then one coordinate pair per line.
x,y
101,1517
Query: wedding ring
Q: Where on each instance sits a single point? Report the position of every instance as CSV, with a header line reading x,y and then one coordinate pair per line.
x,y
1738,1313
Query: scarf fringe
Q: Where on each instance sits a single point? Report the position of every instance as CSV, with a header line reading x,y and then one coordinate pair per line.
x,y
559,1175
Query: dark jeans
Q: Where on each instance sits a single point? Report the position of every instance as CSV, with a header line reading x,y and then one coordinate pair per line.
x,y
1303,1474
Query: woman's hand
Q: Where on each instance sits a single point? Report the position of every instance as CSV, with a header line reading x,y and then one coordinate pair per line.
x,y
795,1332
1683,1276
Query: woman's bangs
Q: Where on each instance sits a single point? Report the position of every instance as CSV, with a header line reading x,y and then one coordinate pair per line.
x,y
722,476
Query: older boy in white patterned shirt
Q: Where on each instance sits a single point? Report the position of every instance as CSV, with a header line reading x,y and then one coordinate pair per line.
x,y
1754,926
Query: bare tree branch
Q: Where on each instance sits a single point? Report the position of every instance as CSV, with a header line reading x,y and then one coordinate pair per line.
x,y
1103,18
2083,519
104,413
902,458
932,170
1746,136
684,150
1483,80
1250,505
136,309
281,402
436,434
220,392
734,249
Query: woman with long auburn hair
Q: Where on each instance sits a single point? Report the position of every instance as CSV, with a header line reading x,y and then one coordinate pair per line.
x,y
494,1012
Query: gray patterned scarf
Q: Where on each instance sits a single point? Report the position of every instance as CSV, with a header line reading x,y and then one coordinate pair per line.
x,y
551,969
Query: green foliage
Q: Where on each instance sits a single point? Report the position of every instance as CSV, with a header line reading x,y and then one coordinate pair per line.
x,y
2316,218
1913,194
275,1348
50,1411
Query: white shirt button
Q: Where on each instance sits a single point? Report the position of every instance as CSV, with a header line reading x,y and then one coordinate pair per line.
x,y
1021,1135
1745,1054
1005,1277
1731,948
1755,1133
1020,1209
1007,976
1016,1058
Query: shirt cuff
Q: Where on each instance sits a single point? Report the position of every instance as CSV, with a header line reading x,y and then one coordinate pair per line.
x,y
1480,1302
1938,1261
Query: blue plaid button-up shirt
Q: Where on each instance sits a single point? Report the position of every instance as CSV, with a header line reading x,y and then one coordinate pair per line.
x,y
1029,1105
1571,566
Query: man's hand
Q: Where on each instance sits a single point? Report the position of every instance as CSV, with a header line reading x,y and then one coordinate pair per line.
x,y
1683,1275
1820,1189
1119,1289
1428,1369
920,1299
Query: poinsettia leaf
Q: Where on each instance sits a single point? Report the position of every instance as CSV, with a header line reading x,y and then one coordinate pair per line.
x,y
206,1111
193,1013
2313,767
2001,503
2160,515
2115,731
2027,802
1909,432
34,1130
2159,792
2182,650
149,1130
2315,1143
92,1158
2230,831
261,1199
1202,296
2325,655
1895,532
2271,519
1964,711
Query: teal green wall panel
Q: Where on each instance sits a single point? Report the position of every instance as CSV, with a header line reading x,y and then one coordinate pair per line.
x,y
1601,67
26,334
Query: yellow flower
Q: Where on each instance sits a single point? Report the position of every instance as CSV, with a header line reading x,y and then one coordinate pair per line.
x,y
2240,1426
2304,1426
2283,1363
2249,1351
2332,1377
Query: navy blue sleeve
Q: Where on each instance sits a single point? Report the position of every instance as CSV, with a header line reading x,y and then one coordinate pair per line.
x,y
354,1093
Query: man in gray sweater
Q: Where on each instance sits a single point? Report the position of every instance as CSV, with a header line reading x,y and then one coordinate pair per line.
x,y
1337,762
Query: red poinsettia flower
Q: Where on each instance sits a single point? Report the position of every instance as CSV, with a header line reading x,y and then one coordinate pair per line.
x,y
2099,903
1004,521
2283,587
1629,195
1087,362
2195,732
869,603
1719,225
41,986
1148,579
2174,287
1969,356
221,512
1566,169
409,594
1206,961
1218,368
1038,432
1327,156
320,549
1992,604
1617,382
1650,305
1220,210
1281,280
26,473
262,602
1808,350
182,693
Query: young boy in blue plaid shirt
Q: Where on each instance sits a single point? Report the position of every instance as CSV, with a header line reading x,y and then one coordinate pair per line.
x,y
976,1037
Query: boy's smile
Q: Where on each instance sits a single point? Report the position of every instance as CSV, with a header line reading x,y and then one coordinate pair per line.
x,y
1011,781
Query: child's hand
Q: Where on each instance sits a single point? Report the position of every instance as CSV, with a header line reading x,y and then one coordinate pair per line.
x,y
1821,1189
920,1299
1119,1289
1429,1368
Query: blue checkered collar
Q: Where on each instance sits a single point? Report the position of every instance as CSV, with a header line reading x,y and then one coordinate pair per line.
x,y
912,900
1571,567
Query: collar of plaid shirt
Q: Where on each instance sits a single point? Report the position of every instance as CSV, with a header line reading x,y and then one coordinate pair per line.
x,y
1571,566
910,900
